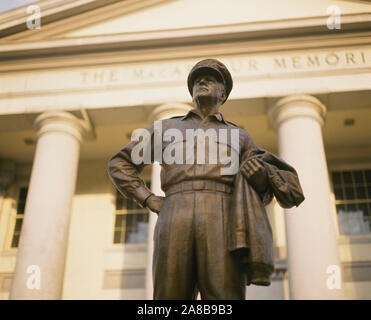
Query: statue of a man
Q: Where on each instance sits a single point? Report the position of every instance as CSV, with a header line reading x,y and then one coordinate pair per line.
x,y
212,233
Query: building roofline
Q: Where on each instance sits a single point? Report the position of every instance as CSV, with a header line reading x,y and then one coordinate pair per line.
x,y
15,21
186,36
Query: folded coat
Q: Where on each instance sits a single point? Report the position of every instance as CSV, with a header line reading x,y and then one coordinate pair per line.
x,y
250,233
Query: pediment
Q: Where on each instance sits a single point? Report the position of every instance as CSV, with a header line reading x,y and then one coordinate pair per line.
x,y
181,14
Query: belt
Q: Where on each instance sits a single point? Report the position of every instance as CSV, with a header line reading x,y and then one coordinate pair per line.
x,y
198,185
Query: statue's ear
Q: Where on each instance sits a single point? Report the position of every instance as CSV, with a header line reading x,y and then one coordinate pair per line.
x,y
223,94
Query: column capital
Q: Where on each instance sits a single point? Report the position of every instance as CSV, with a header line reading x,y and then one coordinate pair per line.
x,y
60,121
297,106
169,110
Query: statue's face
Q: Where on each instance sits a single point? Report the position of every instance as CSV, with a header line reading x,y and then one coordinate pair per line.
x,y
208,86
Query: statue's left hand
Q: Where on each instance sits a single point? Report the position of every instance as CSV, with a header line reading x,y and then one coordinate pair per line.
x,y
154,203
256,174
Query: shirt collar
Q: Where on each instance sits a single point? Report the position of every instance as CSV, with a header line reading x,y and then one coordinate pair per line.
x,y
218,115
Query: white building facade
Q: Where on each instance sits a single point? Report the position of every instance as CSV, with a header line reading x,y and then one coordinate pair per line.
x,y
72,92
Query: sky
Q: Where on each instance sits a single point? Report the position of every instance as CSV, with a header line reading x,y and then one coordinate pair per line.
x,y
6,5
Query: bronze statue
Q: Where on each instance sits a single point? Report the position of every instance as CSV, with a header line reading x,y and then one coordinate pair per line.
x,y
212,234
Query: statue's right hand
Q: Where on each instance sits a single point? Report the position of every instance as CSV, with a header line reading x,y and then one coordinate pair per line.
x,y
154,203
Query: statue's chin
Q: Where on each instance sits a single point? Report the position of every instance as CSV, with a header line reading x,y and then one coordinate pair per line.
x,y
203,93
203,97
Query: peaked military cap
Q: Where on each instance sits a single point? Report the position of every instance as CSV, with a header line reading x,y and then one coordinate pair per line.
x,y
214,67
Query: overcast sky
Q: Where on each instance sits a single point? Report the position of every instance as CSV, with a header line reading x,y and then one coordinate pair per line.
x,y
6,5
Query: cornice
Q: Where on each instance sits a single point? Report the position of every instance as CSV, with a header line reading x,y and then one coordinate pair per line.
x,y
185,37
190,51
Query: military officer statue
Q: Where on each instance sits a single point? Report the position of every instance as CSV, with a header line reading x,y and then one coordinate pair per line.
x,y
212,234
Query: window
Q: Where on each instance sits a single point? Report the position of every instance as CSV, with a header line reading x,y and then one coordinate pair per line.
x,y
353,201
131,222
21,203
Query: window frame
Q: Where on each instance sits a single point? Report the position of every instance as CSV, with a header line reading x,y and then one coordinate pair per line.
x,y
355,166
17,216
124,211
11,211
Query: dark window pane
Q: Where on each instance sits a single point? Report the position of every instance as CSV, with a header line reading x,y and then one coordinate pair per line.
x,y
351,207
22,200
117,237
131,223
23,194
367,225
119,219
339,195
364,208
368,176
349,193
336,178
21,207
18,225
361,192
130,205
358,177
340,207
144,217
15,241
136,206
130,218
119,202
347,176
369,192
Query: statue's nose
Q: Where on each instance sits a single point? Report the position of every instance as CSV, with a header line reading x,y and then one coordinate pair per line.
x,y
202,82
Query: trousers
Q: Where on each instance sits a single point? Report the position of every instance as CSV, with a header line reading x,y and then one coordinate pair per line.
x,y
191,249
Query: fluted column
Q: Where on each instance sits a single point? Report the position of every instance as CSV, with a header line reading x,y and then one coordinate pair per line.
x,y
42,248
160,113
310,229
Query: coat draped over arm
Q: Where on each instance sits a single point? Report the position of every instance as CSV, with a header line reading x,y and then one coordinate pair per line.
x,y
250,233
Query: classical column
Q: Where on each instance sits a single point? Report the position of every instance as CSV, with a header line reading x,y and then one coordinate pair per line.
x,y
160,113
313,263
43,243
